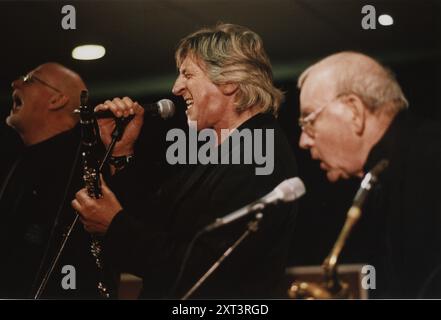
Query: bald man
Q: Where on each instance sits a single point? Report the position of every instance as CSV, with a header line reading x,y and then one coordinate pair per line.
x,y
354,114
39,152
43,102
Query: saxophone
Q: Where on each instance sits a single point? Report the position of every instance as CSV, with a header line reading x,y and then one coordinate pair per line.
x,y
332,287
91,178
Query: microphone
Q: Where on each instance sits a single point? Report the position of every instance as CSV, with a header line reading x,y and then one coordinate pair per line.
x,y
289,190
164,108
368,182
352,217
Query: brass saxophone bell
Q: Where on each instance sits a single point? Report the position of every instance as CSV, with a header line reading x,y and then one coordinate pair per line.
x,y
332,287
308,291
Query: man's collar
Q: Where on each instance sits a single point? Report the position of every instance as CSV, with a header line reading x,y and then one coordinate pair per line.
x,y
388,143
256,121
59,139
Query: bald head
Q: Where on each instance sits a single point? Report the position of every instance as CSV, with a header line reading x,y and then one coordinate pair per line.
x,y
356,73
67,81
43,102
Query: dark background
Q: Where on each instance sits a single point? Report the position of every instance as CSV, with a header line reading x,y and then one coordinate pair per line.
x,y
140,38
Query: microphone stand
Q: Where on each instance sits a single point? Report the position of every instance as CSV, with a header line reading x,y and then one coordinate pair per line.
x,y
332,287
120,125
252,227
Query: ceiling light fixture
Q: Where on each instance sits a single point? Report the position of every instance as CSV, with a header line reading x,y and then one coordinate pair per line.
x,y
385,20
88,52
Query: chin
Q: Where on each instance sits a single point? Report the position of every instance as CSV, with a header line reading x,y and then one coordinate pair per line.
x,y
196,125
334,176
192,124
11,121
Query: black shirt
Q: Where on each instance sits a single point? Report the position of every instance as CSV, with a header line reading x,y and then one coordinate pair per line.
x,y
34,182
405,210
151,243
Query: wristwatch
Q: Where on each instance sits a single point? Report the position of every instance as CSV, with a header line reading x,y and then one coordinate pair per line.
x,y
121,161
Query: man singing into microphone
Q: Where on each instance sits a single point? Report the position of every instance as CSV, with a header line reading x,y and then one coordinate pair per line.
x,y
225,78
40,145
354,114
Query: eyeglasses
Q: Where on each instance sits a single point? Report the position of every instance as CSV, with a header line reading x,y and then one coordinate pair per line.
x,y
29,78
306,123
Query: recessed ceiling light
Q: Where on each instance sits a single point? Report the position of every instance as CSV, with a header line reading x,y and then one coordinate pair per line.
x,y
88,52
385,20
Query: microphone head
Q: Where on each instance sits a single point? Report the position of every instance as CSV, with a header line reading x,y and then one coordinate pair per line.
x,y
166,108
379,167
291,189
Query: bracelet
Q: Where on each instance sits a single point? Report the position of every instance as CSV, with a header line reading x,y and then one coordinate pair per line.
x,y
121,161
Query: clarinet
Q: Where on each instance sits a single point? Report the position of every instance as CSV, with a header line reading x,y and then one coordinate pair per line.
x,y
91,178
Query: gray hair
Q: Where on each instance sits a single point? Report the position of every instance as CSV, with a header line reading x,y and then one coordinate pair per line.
x,y
234,54
365,77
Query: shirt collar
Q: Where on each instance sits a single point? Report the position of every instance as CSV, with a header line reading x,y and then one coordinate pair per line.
x,y
389,143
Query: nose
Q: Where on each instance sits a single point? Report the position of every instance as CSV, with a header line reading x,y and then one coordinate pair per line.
x,y
178,87
16,83
305,141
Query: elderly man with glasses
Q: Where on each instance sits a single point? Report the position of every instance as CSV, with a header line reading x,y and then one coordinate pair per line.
x,y
354,114
40,143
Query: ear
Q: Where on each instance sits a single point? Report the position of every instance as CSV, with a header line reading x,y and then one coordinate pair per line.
x,y
358,111
229,89
58,101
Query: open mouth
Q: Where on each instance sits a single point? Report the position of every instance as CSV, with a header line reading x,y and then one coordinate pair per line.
x,y
18,102
189,103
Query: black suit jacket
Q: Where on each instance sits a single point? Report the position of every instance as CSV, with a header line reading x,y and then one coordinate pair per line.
x,y
152,243
401,225
34,187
